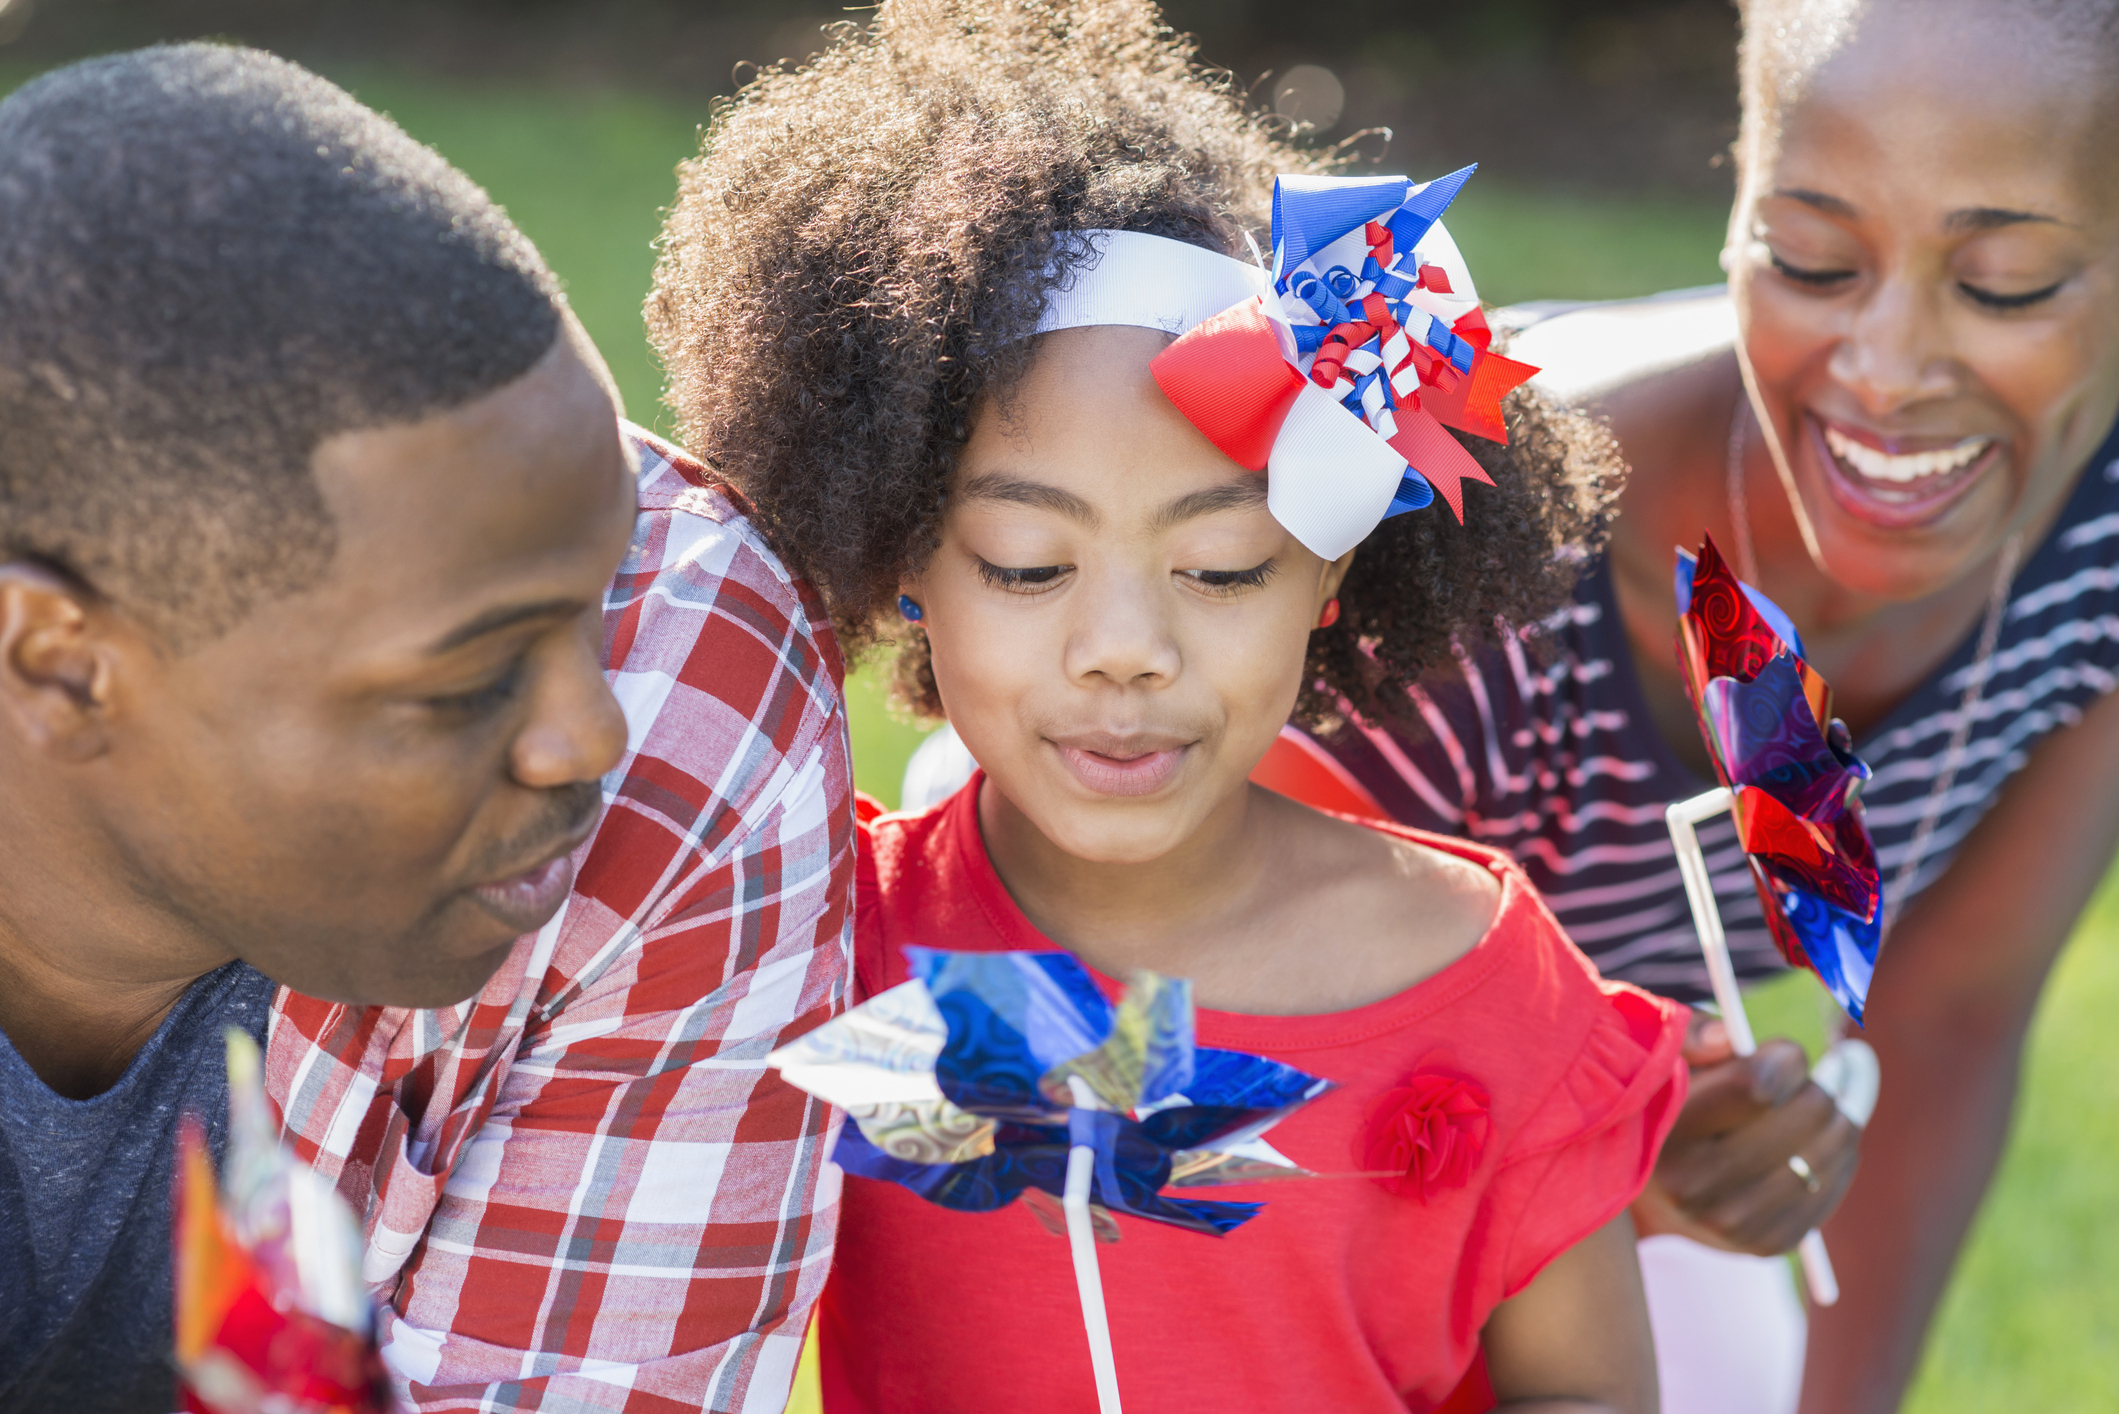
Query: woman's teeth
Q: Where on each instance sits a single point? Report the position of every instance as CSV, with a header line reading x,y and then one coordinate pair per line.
x,y
1884,466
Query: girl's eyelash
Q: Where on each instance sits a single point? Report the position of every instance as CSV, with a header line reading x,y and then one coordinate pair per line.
x,y
1020,581
1228,580
2022,301
1816,279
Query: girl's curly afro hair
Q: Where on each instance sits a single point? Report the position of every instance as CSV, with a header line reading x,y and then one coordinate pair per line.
x,y
860,255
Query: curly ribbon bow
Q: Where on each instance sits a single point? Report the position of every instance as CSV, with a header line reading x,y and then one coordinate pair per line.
x,y
1368,310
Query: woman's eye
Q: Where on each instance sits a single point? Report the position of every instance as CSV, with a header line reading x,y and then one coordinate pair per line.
x,y
1020,581
1228,581
482,701
1814,279
1991,300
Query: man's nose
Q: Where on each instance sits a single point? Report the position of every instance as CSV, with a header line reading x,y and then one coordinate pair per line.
x,y
577,730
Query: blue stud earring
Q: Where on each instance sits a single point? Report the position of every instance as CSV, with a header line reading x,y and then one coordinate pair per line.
x,y
908,608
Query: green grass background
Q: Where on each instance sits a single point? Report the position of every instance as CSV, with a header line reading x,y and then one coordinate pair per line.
x,y
2031,1320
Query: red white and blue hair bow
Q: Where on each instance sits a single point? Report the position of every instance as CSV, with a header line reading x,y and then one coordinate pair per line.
x,y
1337,372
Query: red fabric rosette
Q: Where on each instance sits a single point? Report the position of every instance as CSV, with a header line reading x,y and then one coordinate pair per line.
x,y
1426,1137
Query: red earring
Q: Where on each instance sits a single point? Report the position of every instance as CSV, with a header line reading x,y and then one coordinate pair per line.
x,y
1330,615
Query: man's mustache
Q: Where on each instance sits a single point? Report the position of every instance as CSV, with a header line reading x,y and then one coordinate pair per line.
x,y
566,812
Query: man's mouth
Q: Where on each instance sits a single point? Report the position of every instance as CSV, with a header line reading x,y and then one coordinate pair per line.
x,y
1899,482
1122,764
527,901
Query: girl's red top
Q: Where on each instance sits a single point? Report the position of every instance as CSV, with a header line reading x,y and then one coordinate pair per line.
x,y
1485,1120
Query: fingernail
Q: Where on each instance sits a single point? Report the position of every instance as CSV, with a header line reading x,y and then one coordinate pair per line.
x,y
1775,1073
1715,1032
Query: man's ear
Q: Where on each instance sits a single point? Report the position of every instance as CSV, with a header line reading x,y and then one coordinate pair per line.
x,y
57,671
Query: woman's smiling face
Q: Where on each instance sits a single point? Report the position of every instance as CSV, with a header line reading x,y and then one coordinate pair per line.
x,y
1925,261
1118,625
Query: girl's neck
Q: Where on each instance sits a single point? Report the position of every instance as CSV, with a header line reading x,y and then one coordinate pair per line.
x,y
1270,908
1118,916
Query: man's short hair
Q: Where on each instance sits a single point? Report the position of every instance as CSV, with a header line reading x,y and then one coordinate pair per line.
x,y
210,261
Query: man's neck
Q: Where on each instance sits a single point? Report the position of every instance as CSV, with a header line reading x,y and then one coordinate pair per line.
x,y
87,969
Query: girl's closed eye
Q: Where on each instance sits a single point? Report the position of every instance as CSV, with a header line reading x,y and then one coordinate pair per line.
x,y
1029,580
1226,582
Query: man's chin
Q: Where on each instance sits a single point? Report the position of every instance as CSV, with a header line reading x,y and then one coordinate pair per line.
x,y
422,973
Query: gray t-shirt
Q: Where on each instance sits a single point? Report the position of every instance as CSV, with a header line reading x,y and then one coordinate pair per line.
x,y
85,1207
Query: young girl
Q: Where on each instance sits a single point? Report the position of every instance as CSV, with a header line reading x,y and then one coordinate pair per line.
x,y
885,322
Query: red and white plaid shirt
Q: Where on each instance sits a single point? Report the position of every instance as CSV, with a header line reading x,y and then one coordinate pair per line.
x,y
583,1190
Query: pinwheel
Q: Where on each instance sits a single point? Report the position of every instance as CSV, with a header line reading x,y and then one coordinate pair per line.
x,y
1790,778
270,1311
991,1076
1793,778
1338,371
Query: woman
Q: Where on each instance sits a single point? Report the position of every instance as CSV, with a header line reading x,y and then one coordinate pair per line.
x,y
1904,437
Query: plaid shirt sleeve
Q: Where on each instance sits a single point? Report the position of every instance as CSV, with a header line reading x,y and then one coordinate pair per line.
x,y
583,1190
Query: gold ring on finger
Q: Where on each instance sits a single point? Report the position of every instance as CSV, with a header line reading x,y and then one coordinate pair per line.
x,y
1800,1166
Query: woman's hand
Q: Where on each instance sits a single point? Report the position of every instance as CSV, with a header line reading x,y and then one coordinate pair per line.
x,y
1724,1177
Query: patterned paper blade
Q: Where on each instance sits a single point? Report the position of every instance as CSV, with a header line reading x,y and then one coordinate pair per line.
x,y
1766,715
999,1064
270,1315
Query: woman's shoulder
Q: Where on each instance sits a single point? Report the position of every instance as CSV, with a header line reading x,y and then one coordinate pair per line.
x,y
1585,351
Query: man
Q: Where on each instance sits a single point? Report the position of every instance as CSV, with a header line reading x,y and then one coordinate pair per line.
x,y
311,497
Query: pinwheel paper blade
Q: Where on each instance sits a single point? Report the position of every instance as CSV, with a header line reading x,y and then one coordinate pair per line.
x,y
1796,783
270,1311
970,1083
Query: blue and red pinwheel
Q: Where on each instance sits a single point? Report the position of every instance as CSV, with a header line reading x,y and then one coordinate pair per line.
x,y
1791,768
971,1083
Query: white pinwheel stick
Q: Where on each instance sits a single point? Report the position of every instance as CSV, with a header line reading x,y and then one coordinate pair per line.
x,y
1088,1277
1081,1241
1682,818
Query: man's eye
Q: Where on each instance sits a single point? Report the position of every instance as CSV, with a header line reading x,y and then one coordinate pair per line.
x,y
1229,581
1020,581
482,701
2025,300
1814,279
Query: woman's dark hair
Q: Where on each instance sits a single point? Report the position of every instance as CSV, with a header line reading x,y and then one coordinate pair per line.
x,y
861,253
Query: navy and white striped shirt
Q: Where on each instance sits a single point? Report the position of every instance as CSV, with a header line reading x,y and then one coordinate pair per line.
x,y
1556,759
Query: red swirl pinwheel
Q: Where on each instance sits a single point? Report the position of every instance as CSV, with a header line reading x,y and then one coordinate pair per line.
x,y
1790,766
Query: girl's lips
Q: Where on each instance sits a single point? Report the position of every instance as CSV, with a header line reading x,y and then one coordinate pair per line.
x,y
1144,774
1894,501
527,901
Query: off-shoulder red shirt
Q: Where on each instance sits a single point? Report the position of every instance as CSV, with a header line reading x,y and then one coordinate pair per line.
x,y
1548,1088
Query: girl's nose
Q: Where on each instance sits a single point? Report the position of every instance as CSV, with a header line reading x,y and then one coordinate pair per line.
x,y
1121,633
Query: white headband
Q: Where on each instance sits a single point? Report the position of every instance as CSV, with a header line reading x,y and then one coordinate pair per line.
x,y
1336,373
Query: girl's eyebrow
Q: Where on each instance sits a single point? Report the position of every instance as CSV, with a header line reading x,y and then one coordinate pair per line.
x,y
1235,495
1000,486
